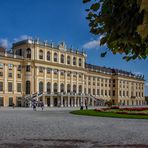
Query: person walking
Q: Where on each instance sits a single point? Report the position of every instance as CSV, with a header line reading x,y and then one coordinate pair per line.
x,y
42,105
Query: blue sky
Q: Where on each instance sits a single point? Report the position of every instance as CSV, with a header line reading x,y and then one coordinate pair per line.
x,y
59,20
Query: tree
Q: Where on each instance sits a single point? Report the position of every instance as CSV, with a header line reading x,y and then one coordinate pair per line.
x,y
122,25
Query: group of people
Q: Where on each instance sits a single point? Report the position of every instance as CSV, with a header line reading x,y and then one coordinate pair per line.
x,y
37,104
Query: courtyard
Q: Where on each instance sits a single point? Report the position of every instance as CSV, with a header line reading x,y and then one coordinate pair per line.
x,y
56,127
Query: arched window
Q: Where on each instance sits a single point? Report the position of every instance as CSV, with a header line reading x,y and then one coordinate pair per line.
x,y
62,87
62,58
41,54
80,88
68,88
48,88
48,55
40,87
74,60
55,57
68,59
80,62
27,87
74,88
55,87
28,53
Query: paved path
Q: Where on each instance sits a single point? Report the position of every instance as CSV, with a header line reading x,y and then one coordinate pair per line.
x,y
55,127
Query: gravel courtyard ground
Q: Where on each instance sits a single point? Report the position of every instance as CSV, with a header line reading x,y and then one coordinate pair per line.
x,y
25,128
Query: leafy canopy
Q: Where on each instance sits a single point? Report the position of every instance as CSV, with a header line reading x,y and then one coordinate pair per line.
x,y
122,24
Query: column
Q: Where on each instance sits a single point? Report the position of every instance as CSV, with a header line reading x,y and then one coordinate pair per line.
x,y
5,78
14,79
52,81
65,81
71,82
77,88
51,101
44,101
45,83
86,84
75,105
83,100
92,102
83,83
36,81
61,100
96,86
59,80
89,101
68,101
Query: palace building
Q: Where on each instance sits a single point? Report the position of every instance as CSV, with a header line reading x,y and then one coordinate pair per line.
x,y
61,77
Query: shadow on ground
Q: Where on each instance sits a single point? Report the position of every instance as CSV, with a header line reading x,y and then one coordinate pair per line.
x,y
64,143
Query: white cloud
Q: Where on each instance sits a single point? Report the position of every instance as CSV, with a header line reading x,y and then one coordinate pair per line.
x,y
22,37
4,43
138,73
93,44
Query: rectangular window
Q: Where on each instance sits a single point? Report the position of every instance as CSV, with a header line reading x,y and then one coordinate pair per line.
x,y
19,75
98,92
41,69
9,86
28,68
10,75
19,87
1,66
19,68
1,73
105,92
1,86
10,66
89,91
94,92
113,92
102,92
48,70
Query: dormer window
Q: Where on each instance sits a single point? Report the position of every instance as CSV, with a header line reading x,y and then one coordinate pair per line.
x,y
68,59
74,60
80,62
28,53
41,54
48,55
62,58
55,57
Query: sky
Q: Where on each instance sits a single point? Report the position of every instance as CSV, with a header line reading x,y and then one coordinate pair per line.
x,y
57,21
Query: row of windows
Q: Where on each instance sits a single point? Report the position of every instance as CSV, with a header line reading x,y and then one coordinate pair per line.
x,y
100,92
55,58
10,86
126,93
10,66
10,75
62,88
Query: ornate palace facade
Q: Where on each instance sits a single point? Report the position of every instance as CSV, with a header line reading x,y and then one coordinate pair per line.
x,y
62,77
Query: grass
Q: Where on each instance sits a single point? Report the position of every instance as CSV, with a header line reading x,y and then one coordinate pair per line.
x,y
108,114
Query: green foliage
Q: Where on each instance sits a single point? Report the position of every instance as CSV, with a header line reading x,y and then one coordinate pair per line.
x,y
108,114
121,24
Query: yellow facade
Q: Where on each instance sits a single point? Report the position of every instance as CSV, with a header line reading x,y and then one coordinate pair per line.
x,y
63,78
